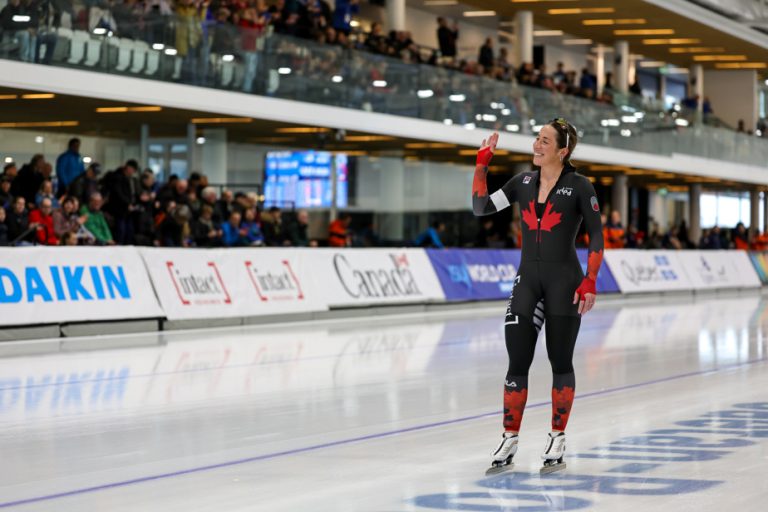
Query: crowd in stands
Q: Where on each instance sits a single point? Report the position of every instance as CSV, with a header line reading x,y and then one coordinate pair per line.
x,y
127,206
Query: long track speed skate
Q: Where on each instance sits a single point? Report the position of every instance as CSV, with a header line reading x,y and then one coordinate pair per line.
x,y
503,454
553,453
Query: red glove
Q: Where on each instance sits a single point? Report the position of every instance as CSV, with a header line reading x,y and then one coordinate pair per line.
x,y
484,156
587,286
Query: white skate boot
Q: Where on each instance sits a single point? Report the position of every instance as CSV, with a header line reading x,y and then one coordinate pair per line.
x,y
553,453
502,455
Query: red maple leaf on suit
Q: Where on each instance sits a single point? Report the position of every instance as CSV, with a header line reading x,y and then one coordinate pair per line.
x,y
593,263
549,220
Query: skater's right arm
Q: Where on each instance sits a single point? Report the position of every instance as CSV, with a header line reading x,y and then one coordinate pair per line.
x,y
482,203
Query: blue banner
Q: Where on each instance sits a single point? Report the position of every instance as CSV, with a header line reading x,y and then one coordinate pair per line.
x,y
488,274
475,274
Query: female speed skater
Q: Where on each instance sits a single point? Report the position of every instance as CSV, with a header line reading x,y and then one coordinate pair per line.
x,y
550,284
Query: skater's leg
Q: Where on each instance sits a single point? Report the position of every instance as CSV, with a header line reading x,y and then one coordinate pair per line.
x,y
521,344
561,340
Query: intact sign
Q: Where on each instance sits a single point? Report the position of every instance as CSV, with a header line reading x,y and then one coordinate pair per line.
x,y
40,285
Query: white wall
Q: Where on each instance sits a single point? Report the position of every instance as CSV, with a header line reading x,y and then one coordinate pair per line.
x,y
20,145
574,58
427,186
733,95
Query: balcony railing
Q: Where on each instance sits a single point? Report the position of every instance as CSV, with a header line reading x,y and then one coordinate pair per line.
x,y
184,50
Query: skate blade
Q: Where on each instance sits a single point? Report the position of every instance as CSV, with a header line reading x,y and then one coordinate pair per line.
x,y
495,470
551,468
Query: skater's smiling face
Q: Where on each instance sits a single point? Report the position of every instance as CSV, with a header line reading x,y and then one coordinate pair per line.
x,y
546,152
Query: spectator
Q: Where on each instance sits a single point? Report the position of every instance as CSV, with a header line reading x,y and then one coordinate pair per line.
x,y
17,220
486,233
232,234
559,74
613,232
431,236
224,204
142,217
85,185
297,231
208,197
29,179
4,241
189,35
46,192
486,57
251,229
342,15
95,222
176,192
206,232
120,191
43,218
447,38
740,237
272,227
175,231
69,238
69,165
10,170
740,127
66,219
338,231
5,191
16,23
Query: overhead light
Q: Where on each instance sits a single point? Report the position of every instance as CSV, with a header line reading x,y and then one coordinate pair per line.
x,y
171,51
429,145
537,1
220,120
284,71
644,32
696,49
741,65
583,10
99,31
45,96
9,96
547,33
513,127
40,124
368,138
200,140
628,119
158,46
21,18
117,110
448,122
440,2
651,64
228,57
626,133
87,159
621,21
681,122
9,159
678,71
537,127
379,83
489,118
478,14
39,139
470,126
506,112
457,98
610,122
425,93
679,40
302,129
720,58
574,42
337,79
354,23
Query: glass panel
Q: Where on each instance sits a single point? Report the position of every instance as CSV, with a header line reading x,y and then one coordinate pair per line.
x,y
186,49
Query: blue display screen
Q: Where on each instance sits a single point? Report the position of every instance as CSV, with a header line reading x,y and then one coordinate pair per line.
x,y
303,179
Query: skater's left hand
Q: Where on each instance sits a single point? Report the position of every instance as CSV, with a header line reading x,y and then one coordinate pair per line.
x,y
585,295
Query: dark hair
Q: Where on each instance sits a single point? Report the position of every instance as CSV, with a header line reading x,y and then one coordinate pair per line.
x,y
8,166
566,136
132,163
72,142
